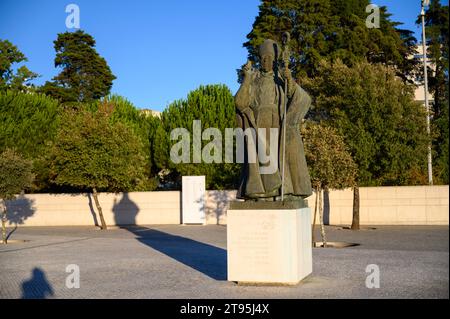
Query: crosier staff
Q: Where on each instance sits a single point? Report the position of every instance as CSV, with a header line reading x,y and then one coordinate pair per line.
x,y
286,54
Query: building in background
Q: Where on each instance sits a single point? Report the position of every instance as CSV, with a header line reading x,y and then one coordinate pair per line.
x,y
148,112
419,94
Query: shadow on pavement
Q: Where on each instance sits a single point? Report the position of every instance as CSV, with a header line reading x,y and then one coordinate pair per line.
x,y
205,258
37,287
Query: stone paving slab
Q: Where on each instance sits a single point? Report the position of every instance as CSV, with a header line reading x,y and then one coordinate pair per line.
x,y
175,261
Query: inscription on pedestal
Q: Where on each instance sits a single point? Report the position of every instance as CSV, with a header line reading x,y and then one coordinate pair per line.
x,y
269,246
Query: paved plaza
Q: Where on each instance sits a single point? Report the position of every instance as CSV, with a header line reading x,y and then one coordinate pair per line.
x,y
175,261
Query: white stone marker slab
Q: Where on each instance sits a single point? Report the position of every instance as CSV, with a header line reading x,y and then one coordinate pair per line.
x,y
193,199
269,246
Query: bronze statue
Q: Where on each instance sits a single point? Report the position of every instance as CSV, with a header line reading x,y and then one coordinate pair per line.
x,y
262,100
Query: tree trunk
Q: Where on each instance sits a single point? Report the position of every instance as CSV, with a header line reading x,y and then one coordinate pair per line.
x,y
3,208
99,208
314,219
355,220
322,227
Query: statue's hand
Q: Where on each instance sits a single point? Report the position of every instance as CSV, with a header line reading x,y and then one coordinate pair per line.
x,y
247,69
286,73
287,76
243,95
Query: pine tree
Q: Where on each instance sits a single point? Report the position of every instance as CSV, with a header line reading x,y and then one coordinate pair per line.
x,y
213,105
9,55
28,122
85,75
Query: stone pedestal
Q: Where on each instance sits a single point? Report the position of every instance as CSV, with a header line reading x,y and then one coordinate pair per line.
x,y
269,246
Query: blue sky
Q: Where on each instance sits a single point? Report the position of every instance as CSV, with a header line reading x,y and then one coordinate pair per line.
x,y
158,50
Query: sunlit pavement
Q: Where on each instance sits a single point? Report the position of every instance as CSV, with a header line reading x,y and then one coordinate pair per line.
x,y
175,261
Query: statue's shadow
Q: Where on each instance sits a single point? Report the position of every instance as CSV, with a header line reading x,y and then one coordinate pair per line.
x,y
205,258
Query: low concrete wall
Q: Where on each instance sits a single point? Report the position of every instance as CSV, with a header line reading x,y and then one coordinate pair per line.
x,y
216,206
407,205
396,205
402,205
78,209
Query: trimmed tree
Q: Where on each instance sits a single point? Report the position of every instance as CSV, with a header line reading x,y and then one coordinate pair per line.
x,y
125,112
15,176
93,153
330,164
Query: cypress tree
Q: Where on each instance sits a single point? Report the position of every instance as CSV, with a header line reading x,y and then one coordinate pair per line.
x,y
331,29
